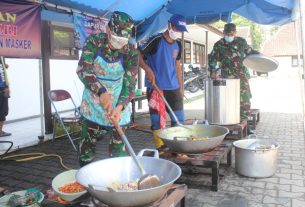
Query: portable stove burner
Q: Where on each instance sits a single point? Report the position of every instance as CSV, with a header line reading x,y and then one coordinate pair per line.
x,y
174,196
209,159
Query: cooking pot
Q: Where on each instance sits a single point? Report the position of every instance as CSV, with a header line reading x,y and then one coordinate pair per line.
x,y
222,101
255,157
260,63
99,175
179,138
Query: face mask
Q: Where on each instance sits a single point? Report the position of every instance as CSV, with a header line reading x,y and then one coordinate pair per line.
x,y
118,42
229,38
172,34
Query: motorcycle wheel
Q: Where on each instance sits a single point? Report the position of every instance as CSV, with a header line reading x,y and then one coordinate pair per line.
x,y
192,87
201,83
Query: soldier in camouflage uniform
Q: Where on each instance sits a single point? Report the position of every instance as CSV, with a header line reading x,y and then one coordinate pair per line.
x,y
108,69
226,61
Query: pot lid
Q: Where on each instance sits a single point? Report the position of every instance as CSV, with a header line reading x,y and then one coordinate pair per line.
x,y
260,63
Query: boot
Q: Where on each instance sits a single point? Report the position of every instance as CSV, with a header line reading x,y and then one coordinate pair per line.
x,y
158,142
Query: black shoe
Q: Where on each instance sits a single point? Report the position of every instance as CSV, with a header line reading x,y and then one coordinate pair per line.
x,y
82,163
249,131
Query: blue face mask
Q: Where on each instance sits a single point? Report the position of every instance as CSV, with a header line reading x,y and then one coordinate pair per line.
x,y
229,38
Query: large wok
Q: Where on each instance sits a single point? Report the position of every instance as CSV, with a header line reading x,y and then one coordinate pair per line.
x,y
178,138
110,172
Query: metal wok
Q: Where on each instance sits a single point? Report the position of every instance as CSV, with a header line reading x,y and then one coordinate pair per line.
x,y
207,138
105,173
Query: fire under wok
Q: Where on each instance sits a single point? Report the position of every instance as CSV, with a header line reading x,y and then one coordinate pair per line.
x,y
98,176
201,138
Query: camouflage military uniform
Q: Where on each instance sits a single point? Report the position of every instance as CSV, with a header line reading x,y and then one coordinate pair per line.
x,y
228,58
99,61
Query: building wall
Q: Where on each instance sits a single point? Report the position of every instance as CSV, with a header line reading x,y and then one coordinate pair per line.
x,y
198,34
24,84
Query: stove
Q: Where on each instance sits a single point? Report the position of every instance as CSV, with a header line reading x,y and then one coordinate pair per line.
x,y
211,159
174,196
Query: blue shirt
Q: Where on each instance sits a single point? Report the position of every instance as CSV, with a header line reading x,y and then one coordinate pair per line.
x,y
163,63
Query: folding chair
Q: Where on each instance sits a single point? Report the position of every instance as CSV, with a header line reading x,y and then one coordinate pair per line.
x,y
55,97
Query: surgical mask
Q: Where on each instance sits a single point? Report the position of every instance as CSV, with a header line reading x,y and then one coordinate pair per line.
x,y
229,38
118,42
172,34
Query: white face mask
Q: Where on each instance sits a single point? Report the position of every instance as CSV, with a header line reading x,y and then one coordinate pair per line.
x,y
118,42
229,38
173,34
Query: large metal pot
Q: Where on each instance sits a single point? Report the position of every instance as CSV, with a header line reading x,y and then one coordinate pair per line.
x,y
255,157
215,135
109,172
222,101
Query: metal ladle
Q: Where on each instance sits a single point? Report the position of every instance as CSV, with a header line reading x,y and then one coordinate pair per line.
x,y
146,181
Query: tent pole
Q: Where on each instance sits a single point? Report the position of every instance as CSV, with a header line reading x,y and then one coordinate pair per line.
x,y
41,137
302,22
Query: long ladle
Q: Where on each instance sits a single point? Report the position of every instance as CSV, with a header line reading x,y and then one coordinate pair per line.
x,y
146,181
170,108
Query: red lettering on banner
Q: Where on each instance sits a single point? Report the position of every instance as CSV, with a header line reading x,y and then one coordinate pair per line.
x,y
8,30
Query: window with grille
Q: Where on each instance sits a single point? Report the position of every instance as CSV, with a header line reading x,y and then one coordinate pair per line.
x,y
187,52
62,43
199,54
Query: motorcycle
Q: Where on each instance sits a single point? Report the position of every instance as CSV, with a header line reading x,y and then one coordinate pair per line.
x,y
190,82
201,76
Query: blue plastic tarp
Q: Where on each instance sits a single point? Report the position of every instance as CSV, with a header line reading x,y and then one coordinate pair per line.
x,y
152,15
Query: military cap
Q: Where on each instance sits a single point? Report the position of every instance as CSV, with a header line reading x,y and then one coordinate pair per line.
x,y
121,24
230,27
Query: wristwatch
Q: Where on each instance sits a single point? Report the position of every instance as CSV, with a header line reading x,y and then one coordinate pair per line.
x,y
102,90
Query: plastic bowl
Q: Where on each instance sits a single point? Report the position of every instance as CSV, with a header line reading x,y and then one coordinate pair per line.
x,y
65,178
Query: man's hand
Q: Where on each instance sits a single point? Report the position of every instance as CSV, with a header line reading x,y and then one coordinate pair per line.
x,y
215,76
150,76
115,114
6,92
106,101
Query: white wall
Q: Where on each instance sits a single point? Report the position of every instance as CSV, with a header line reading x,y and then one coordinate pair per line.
x,y
24,84
63,76
23,77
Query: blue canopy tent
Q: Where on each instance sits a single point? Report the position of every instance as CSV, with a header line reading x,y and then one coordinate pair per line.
x,y
152,15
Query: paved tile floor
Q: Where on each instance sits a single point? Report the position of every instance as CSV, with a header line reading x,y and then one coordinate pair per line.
x,y
285,188
281,120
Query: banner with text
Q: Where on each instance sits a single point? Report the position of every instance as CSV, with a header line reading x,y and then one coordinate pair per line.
x,y
85,26
20,35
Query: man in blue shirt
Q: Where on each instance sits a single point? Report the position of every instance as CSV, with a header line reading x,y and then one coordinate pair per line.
x,y
4,95
162,66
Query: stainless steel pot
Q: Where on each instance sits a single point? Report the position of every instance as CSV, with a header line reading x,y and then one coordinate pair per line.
x,y
109,172
222,101
255,157
214,134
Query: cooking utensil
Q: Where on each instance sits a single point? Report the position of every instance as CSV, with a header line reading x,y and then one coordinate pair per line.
x,y
260,63
169,108
215,135
255,157
222,101
146,181
122,170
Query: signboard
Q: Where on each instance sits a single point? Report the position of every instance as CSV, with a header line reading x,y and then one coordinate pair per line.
x,y
85,26
20,32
